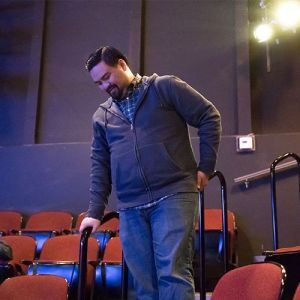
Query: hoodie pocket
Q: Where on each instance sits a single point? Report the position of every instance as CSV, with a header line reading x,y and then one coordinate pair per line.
x,y
126,175
159,166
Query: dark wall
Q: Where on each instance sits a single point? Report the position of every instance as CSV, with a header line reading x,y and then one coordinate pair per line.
x,y
195,41
21,24
72,32
56,95
47,100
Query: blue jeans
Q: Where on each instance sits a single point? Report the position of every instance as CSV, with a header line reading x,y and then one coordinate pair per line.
x,y
158,246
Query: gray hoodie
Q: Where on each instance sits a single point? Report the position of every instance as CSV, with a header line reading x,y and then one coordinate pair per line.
x,y
152,157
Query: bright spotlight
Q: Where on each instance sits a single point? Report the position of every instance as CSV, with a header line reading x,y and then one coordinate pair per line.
x,y
263,32
288,14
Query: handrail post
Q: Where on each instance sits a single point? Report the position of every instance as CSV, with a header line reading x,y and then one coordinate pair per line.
x,y
273,192
224,217
82,272
124,280
202,291
202,231
274,207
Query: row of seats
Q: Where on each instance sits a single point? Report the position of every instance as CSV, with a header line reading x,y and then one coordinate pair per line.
x,y
49,244
104,276
43,225
59,221
60,256
263,281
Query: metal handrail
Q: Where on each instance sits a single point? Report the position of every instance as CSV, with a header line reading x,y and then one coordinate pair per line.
x,y
83,262
224,217
202,291
221,178
246,179
124,279
273,191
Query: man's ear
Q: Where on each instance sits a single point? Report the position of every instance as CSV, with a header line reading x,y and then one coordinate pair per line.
x,y
123,64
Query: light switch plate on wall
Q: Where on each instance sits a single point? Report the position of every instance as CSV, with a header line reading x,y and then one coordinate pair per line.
x,y
245,143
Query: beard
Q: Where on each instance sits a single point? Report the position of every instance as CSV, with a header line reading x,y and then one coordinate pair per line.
x,y
114,91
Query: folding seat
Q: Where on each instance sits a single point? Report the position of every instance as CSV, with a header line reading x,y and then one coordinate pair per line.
x,y
111,222
108,282
60,256
9,221
43,225
213,232
46,287
261,281
288,257
23,251
108,228
213,223
214,246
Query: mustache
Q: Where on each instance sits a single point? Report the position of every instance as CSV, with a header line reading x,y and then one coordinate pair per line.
x,y
110,88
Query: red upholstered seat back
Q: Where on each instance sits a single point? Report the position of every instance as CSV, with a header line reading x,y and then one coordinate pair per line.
x,y
261,281
37,287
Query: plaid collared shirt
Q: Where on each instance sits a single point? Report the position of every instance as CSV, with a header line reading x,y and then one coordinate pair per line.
x,y
128,105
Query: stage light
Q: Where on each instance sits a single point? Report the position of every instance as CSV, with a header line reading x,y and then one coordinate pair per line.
x,y
288,14
263,32
275,22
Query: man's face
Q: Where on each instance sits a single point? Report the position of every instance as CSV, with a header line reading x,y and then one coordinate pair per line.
x,y
113,80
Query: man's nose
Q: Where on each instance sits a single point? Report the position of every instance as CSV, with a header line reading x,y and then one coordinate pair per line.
x,y
104,86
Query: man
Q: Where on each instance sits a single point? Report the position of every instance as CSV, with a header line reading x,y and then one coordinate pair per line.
x,y
141,146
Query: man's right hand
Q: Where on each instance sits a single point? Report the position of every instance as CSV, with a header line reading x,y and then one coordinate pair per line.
x,y
89,222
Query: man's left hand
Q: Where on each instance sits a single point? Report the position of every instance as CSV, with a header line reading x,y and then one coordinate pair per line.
x,y
202,180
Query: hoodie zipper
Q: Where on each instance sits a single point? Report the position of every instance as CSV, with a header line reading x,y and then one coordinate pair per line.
x,y
132,128
137,154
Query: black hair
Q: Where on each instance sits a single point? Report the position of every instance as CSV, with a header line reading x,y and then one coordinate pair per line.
x,y
108,54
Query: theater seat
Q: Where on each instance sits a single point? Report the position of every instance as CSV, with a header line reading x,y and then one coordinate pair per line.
x,y
261,281
23,250
214,247
109,272
45,287
9,221
60,256
45,224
